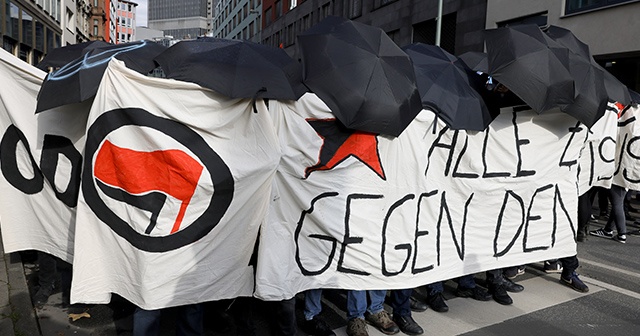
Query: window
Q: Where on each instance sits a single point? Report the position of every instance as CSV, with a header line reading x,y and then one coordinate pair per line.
x,y
354,8
12,20
537,19
268,17
576,6
27,29
39,36
278,8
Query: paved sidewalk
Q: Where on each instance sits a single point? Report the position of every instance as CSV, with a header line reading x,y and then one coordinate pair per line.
x,y
17,316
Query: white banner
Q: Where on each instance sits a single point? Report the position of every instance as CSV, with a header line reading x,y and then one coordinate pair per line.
x,y
360,211
175,185
40,161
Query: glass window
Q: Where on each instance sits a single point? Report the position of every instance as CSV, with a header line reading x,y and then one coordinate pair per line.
x,y
39,36
576,6
12,20
354,8
27,29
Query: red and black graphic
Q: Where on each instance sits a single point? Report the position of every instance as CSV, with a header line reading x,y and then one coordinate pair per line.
x,y
144,180
341,143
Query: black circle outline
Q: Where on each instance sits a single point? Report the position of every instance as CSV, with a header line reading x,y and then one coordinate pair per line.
x,y
222,180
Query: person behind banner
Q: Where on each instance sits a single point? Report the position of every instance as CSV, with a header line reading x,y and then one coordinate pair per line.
x,y
190,321
358,311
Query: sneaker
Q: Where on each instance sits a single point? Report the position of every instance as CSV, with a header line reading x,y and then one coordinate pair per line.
x,y
552,266
436,302
357,327
513,272
316,327
620,238
407,325
574,282
382,321
602,233
475,293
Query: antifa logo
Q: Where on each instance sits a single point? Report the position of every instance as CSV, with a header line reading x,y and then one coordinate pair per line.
x,y
144,180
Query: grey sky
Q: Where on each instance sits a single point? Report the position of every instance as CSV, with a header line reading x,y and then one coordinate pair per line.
x,y
141,13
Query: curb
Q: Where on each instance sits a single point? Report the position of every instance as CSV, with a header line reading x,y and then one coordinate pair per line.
x,y
23,315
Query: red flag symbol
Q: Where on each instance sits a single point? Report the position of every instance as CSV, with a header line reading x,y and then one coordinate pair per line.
x,y
173,172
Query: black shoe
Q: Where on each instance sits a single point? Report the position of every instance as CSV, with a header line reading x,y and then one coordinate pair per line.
x,y
436,302
500,294
417,305
475,293
407,325
316,327
42,295
512,287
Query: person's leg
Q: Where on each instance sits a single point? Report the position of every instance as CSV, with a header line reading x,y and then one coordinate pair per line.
x,y
377,316
241,309
312,303
146,322
495,285
400,302
435,300
467,288
603,201
190,320
286,317
377,301
584,215
617,194
569,276
466,281
46,278
356,304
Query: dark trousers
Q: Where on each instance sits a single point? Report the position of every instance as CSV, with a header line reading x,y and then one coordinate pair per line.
x,y
400,302
188,323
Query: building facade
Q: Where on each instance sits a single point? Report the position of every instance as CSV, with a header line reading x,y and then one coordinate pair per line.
x,y
99,20
609,27
405,21
238,19
123,21
30,28
181,19
83,20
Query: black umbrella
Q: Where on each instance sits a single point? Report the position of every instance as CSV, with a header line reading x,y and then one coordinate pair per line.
x,y
59,57
591,100
615,89
446,85
635,97
79,80
234,68
521,58
366,80
476,60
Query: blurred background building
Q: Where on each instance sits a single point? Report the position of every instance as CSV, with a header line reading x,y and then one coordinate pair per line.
x,y
29,28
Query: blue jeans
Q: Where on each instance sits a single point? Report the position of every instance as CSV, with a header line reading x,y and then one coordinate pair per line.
x,y
312,303
435,288
467,281
189,322
357,302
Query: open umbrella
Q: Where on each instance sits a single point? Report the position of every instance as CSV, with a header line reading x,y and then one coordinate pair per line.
x,y
366,80
59,57
615,89
591,101
521,59
446,85
476,60
234,68
79,80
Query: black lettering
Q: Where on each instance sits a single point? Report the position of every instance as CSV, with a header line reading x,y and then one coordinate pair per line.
x,y
9,163
418,234
320,237
484,160
532,218
54,146
348,239
455,169
519,143
573,130
439,144
398,247
625,171
504,251
444,210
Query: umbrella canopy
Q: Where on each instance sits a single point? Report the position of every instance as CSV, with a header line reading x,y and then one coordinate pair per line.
x,y
234,68
59,57
366,80
79,80
591,101
445,85
521,58
615,89
476,60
